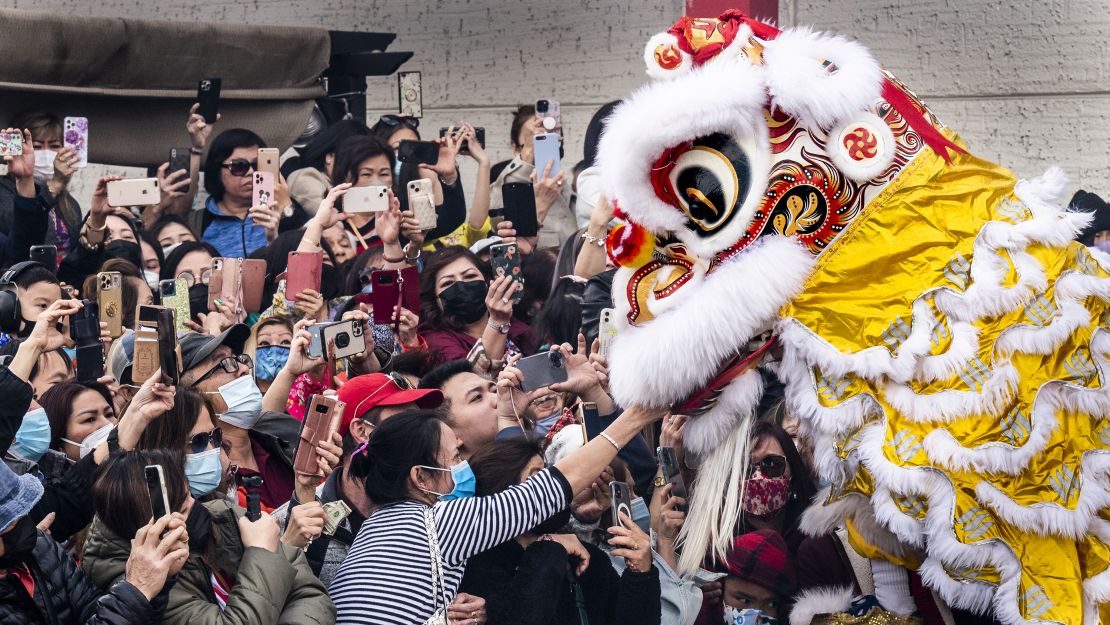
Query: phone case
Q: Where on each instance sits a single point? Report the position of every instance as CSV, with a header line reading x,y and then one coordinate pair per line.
x,y
231,281
263,188
621,502
668,459
11,143
215,282
134,192
542,370
316,342
146,355
345,339
75,134
548,110
545,148
168,360
254,281
179,159
385,296
321,420
269,161
147,316
422,203
175,295
410,288
506,262
109,301
84,328
208,96
410,98
426,152
302,272
372,199
45,254
606,331
520,208
156,486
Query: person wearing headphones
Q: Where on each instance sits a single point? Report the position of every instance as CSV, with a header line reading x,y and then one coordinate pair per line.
x,y
28,289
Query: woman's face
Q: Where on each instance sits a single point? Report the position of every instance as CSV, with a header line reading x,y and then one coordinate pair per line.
x,y
534,466
87,414
143,292
374,171
195,262
47,138
203,425
119,230
403,133
531,128
766,446
36,298
448,456
274,334
174,233
340,243
150,257
459,270
239,188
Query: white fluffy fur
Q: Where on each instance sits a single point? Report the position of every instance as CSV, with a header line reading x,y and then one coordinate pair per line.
x,y
799,85
738,401
862,171
821,600
653,68
971,595
662,362
997,394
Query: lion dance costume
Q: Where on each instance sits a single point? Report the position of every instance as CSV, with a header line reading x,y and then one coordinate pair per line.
x,y
943,340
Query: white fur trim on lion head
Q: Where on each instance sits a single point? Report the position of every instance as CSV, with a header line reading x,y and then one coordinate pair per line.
x,y
820,79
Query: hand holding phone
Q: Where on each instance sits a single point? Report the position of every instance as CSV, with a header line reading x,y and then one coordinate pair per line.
x,y
134,192
321,421
545,149
208,97
668,460
426,152
156,488
542,370
371,199
11,143
520,208
75,134
621,502
505,261
302,272
422,203
109,298
263,188
84,328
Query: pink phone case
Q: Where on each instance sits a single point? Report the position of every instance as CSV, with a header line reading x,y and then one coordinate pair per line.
x,y
263,188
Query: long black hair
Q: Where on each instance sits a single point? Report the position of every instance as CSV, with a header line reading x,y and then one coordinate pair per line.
x,y
401,442
222,146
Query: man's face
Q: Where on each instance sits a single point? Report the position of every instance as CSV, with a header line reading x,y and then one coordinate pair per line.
x,y
36,298
218,378
744,595
361,429
472,410
52,370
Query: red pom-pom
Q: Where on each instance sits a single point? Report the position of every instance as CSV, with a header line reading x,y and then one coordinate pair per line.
x,y
630,245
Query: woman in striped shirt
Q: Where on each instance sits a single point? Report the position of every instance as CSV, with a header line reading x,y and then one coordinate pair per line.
x,y
413,467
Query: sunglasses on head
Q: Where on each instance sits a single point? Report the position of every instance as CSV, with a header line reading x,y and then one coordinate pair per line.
x,y
771,466
240,166
199,443
400,120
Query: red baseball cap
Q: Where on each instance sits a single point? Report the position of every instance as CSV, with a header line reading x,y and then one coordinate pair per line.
x,y
365,392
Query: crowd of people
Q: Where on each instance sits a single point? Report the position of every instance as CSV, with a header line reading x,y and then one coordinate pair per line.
x,y
448,494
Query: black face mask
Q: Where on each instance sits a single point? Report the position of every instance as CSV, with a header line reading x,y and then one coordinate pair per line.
x,y
126,250
198,300
19,543
553,524
199,527
466,301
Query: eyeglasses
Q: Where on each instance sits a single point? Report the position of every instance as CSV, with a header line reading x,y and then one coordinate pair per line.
x,y
771,466
200,442
240,166
229,365
399,120
546,402
205,276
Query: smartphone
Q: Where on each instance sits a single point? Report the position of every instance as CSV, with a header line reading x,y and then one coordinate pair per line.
x,y
621,502
167,347
84,327
156,487
372,199
547,113
134,192
520,208
316,342
409,96
506,262
208,96
418,152
269,161
179,159
607,331
145,362
109,300
385,296
263,188
321,420
11,143
45,254
422,203
215,282
586,411
545,148
345,337
479,134
542,370
175,294
303,272
231,280
410,288
668,459
75,134
253,272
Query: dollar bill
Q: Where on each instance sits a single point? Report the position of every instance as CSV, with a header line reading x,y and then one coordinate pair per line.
x,y
334,513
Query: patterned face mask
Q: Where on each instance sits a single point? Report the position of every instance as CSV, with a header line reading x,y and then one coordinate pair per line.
x,y
765,495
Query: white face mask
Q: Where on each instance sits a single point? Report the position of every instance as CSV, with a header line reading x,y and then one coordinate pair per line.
x,y
44,165
169,248
151,278
92,441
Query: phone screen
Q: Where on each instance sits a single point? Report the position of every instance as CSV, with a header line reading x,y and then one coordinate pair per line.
x,y
418,152
520,208
159,504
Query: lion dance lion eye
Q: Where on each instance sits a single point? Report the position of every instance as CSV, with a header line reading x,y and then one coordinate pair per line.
x,y
709,180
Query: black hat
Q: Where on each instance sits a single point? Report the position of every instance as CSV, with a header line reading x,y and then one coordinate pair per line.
x,y
1087,202
196,347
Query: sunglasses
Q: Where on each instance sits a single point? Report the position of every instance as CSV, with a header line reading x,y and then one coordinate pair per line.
x,y
199,443
240,166
229,365
771,466
399,120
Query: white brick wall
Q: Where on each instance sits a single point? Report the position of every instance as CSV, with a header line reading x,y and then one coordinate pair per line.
x,y
1025,82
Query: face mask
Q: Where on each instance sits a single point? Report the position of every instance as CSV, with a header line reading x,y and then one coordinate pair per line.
x,y
32,439
269,360
244,402
198,525
368,289
465,301
203,472
1104,246
736,616
44,165
554,523
19,543
465,482
169,248
765,495
92,441
126,250
151,278
198,299
640,514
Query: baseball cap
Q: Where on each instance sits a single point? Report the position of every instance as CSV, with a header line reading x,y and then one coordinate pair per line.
x,y
373,390
195,347
121,356
485,244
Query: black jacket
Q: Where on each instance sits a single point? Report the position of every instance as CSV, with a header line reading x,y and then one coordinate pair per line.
x,y
534,587
64,596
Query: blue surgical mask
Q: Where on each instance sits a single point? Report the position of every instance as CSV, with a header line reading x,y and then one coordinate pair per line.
x,y
543,426
203,471
244,402
32,439
269,360
465,482
369,288
736,616
640,514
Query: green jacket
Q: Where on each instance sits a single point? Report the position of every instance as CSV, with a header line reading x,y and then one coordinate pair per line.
x,y
270,588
